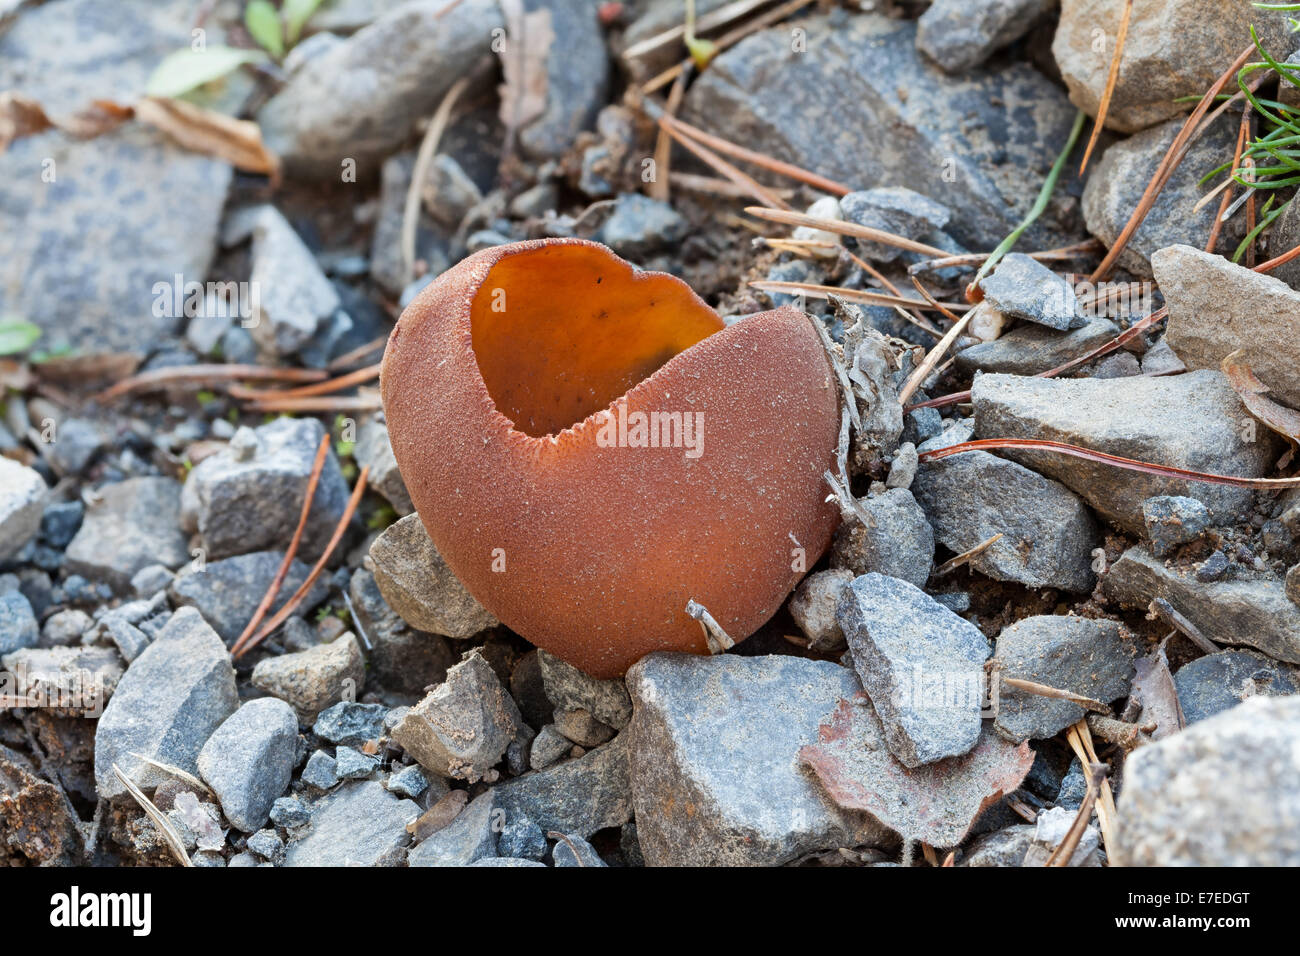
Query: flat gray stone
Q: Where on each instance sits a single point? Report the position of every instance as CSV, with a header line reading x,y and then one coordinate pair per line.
x,y
1253,611
22,502
1192,421
1217,308
166,706
1088,657
361,100
1030,349
1117,178
921,665
418,585
470,837
714,758
227,592
18,625
1000,848
359,824
1048,534
1223,792
576,81
134,523
1214,683
570,689
248,761
939,144
578,796
1021,287
248,497
895,209
960,34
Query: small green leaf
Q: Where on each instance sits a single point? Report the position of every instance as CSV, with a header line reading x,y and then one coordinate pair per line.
x,y
186,70
17,335
296,15
263,22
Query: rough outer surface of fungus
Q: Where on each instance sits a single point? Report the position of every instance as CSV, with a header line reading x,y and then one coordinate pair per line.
x,y
502,385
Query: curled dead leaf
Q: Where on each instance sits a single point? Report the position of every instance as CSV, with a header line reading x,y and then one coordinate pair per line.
x,y
238,142
1285,421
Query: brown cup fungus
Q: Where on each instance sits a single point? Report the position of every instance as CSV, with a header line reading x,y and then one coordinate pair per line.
x,y
590,448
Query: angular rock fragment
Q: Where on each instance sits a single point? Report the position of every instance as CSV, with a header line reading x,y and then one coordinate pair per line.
x,y
311,680
1173,521
900,541
1023,288
1214,683
1091,658
227,592
373,450
463,727
960,34
570,689
1253,611
1048,534
133,524
360,824
895,209
471,836
813,608
714,757
248,761
1224,792
418,585
1191,421
249,496
402,659
921,664
22,502
167,704
1217,308
1030,349
577,796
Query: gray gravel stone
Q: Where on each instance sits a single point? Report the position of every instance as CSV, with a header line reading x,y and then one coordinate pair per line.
x,y
960,34
1118,177
248,497
18,627
374,450
321,771
921,665
1173,521
22,502
1190,421
576,82
548,746
316,678
570,689
1217,682
64,627
1217,308
166,706
1000,848
462,729
1223,792
813,608
148,581
1023,288
290,813
351,723
578,796
66,681
471,836
1048,534
941,144
895,209
268,845
359,824
1030,349
248,761
1172,50
135,523
639,226
900,544
1088,657
410,57
227,592
714,760
418,585
1253,611
521,838
352,764
573,850
409,781
295,298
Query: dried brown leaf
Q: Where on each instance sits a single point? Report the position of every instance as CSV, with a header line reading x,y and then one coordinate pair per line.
x,y
238,142
935,804
1285,421
1153,686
